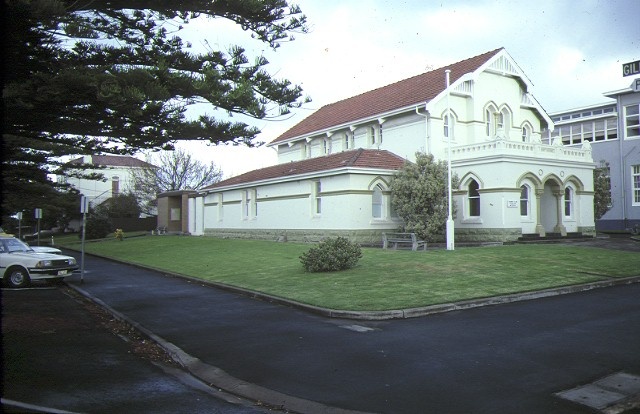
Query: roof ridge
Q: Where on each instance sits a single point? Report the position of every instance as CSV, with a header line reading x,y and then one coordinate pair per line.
x,y
414,76
356,158
352,160
405,92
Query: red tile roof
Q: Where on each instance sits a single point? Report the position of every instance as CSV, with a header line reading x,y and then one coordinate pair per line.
x,y
113,161
360,158
416,90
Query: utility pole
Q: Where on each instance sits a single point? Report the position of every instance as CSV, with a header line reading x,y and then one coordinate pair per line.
x,y
450,226
84,208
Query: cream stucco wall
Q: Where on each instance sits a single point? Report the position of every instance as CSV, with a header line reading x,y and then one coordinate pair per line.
x,y
501,162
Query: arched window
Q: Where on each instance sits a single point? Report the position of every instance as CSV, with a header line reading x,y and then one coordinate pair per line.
x,y
488,121
524,200
504,121
376,202
474,199
449,126
526,133
568,202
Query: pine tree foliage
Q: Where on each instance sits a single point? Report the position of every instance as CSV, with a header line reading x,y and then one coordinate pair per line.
x,y
419,194
91,77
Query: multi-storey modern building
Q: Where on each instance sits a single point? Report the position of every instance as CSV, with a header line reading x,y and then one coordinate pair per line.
x,y
612,129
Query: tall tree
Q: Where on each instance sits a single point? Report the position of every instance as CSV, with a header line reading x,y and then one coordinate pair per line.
x,y
170,171
419,193
88,77
602,190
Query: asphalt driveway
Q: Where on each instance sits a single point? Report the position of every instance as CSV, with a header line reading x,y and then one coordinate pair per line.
x,y
57,357
507,358
494,359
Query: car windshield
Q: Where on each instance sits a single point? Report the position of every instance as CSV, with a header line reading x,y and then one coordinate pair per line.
x,y
15,245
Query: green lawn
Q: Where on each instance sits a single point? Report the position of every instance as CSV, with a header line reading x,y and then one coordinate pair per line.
x,y
382,280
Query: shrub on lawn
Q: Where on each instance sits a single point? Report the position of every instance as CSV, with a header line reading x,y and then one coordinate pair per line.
x,y
98,226
331,255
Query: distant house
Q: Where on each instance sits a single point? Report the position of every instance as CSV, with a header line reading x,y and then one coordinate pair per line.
x,y
612,129
335,166
116,170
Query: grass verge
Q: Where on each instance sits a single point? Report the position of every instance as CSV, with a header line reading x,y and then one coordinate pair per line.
x,y
382,280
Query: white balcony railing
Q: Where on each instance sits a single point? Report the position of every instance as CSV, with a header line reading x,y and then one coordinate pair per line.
x,y
520,149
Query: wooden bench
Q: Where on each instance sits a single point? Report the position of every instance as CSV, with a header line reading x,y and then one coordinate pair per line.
x,y
394,240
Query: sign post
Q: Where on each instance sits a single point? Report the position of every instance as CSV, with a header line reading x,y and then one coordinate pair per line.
x,y
19,216
38,216
84,209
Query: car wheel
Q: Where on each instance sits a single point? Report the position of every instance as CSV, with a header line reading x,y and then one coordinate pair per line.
x,y
18,278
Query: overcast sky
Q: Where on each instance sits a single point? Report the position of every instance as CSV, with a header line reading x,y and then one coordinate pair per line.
x,y
572,51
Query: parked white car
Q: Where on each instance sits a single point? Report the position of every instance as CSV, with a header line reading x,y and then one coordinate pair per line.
x,y
46,249
20,264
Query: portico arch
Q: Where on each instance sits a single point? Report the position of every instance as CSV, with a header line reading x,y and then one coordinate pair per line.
x,y
551,206
577,183
531,177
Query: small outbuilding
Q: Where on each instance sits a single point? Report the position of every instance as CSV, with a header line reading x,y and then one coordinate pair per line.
x,y
173,208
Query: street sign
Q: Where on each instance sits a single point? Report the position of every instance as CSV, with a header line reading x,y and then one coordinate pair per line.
x,y
635,85
631,68
38,213
84,204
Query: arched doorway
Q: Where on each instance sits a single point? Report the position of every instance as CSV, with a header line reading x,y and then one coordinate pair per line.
x,y
551,211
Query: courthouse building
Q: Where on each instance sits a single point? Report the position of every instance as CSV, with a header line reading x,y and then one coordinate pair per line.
x,y
335,166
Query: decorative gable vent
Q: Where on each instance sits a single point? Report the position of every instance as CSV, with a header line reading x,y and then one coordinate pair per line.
x,y
504,66
525,100
464,89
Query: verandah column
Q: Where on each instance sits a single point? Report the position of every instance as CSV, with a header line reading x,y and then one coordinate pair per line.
x,y
539,227
559,228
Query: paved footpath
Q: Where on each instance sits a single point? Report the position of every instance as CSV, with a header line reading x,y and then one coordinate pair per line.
x,y
508,358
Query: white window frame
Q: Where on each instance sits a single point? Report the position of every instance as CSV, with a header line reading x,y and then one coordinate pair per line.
x,y
220,207
471,198
568,202
327,146
635,185
526,133
316,198
488,122
500,121
377,203
525,201
372,136
632,121
249,205
449,128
